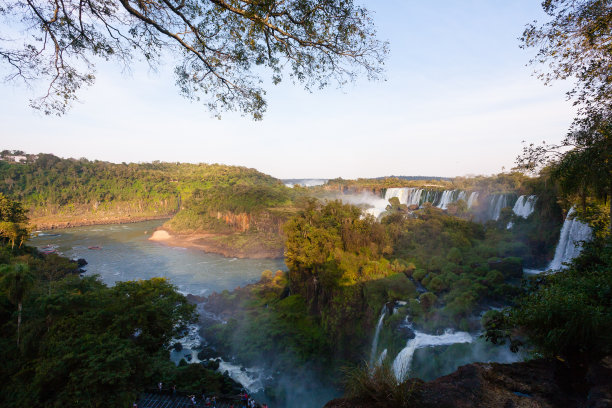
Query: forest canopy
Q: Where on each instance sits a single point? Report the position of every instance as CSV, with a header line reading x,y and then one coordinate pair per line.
x,y
218,45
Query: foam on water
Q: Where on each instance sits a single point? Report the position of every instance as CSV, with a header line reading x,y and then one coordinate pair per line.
x,y
401,364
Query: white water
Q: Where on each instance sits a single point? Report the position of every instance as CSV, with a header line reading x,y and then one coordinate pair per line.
x,y
569,246
497,202
472,198
446,199
250,378
401,364
418,196
377,334
525,205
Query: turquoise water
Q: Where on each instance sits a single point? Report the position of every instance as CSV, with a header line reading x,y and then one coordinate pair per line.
x,y
127,254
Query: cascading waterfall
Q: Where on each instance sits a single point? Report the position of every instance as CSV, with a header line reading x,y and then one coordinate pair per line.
x,y
383,313
472,198
496,203
412,196
401,364
401,193
419,196
524,205
446,199
572,233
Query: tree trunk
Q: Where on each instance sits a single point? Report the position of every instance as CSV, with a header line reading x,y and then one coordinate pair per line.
x,y
18,321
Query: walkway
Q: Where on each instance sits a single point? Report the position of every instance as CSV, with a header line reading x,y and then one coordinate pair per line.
x,y
179,401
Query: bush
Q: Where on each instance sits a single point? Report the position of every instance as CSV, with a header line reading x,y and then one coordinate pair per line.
x,y
378,384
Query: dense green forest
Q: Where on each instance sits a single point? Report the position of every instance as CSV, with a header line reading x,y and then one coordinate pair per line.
x,y
200,197
344,267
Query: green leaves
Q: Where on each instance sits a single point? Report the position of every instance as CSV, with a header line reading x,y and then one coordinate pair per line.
x,y
83,342
217,44
567,314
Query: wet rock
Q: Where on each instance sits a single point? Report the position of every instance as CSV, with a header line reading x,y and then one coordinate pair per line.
x,y
206,353
406,332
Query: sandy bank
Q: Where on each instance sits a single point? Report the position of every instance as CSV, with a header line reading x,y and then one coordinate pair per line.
x,y
215,243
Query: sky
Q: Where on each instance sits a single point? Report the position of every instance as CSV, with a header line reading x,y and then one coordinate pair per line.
x,y
457,99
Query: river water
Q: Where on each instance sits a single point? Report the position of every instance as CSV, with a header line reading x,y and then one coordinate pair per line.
x,y
126,254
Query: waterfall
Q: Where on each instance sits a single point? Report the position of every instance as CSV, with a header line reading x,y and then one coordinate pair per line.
x,y
406,195
418,196
377,334
496,203
401,364
472,198
569,246
446,199
400,193
524,206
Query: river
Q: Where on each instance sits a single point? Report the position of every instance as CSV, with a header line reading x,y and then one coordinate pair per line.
x,y
127,254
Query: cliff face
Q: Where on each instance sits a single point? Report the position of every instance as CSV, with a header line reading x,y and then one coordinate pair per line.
x,y
243,222
533,384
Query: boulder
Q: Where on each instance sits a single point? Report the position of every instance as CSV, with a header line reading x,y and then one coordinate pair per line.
x,y
406,332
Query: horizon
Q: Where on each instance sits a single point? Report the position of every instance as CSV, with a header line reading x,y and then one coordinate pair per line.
x,y
457,100
417,176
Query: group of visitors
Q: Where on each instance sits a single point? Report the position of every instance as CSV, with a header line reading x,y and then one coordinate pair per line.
x,y
248,402
210,401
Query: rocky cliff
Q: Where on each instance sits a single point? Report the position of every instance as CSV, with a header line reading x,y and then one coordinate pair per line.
x,y
533,384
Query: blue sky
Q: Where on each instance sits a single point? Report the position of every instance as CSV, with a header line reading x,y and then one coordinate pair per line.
x,y
457,100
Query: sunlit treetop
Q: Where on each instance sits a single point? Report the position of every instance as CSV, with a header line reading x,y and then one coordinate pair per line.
x,y
218,45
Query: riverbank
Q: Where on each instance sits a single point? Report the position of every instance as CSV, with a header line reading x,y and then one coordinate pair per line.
x,y
61,222
236,245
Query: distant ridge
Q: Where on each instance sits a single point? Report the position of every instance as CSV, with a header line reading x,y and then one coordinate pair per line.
x,y
416,178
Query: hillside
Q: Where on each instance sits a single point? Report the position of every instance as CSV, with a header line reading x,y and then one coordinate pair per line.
x,y
227,209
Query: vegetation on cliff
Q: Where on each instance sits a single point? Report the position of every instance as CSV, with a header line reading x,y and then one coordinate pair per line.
x,y
566,314
344,266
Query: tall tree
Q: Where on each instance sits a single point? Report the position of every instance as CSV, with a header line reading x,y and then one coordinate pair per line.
x,y
17,281
218,44
576,43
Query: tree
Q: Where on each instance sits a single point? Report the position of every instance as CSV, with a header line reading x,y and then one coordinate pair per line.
x,y
586,169
13,221
576,43
17,281
218,43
